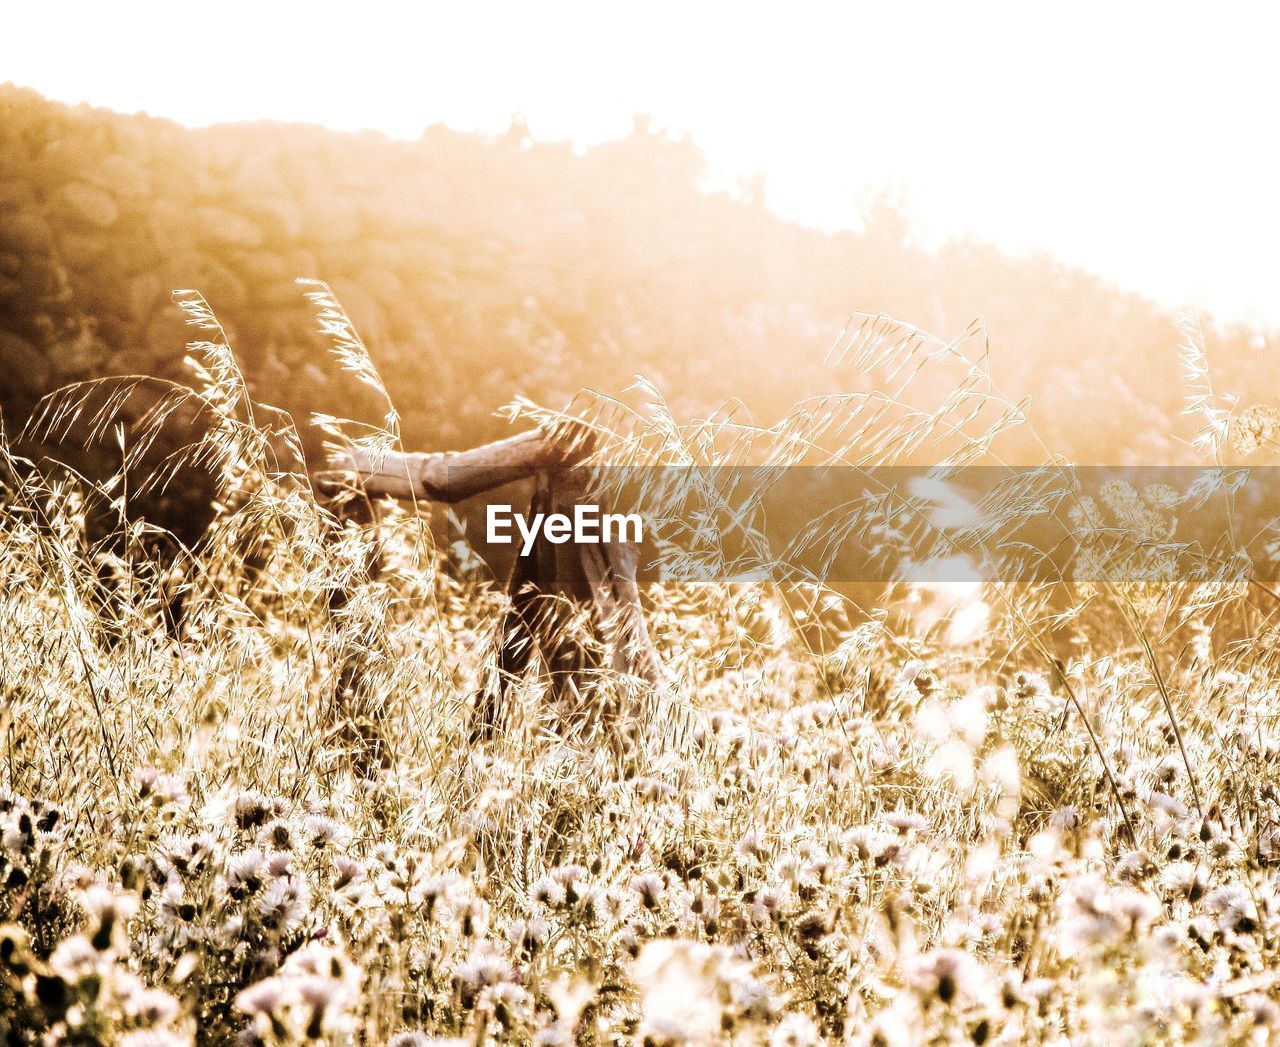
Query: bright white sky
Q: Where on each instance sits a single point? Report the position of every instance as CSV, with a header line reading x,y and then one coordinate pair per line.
x,y
1137,140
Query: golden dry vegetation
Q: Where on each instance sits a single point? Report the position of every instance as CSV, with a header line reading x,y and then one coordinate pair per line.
x,y
241,803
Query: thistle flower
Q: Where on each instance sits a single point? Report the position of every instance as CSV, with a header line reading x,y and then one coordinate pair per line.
x,y
1065,819
278,863
1269,844
1168,770
789,869
244,872
309,999
250,809
571,878
529,936
652,790
169,790
508,1002
1031,687
1169,806
265,999
947,976
1095,916
680,983
1135,866
918,674
144,778
109,911
283,904
15,950
628,942
751,1000
150,1007
649,887
349,871
473,919
74,958
320,996
480,972
325,832
436,891
812,927
174,908
549,892
278,835
1233,910
864,842
75,878
187,854
1184,880
905,821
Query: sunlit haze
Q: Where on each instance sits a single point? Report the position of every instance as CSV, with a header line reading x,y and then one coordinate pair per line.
x,y
1137,141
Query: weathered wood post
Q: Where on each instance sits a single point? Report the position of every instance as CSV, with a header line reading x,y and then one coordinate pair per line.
x,y
554,583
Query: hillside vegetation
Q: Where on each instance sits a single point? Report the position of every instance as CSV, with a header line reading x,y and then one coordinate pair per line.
x,y
481,268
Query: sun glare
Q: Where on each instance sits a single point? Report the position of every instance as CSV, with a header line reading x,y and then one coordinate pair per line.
x,y
999,120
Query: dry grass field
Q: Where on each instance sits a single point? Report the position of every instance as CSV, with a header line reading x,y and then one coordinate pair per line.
x,y
242,805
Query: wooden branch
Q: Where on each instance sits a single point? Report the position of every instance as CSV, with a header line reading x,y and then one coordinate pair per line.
x,y
455,475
